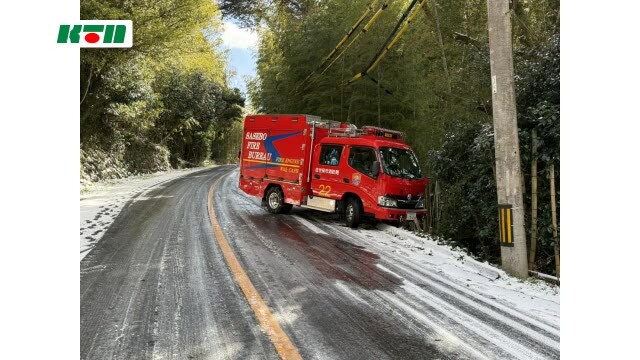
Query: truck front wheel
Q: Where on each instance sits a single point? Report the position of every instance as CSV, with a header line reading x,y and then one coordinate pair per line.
x,y
353,212
275,201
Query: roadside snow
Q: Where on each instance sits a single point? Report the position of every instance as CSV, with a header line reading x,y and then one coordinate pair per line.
x,y
100,203
533,297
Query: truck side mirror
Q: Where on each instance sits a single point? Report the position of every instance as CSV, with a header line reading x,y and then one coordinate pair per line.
x,y
375,169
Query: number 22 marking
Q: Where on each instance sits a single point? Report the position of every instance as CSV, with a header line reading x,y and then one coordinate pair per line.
x,y
324,190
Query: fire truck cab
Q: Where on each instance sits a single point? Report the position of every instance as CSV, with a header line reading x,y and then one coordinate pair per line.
x,y
330,166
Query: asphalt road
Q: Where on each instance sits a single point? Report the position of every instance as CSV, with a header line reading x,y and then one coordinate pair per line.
x,y
157,287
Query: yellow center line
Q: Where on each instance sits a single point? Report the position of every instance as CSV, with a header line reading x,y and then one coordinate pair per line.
x,y
270,163
285,348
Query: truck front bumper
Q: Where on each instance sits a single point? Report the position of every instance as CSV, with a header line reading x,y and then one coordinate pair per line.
x,y
393,214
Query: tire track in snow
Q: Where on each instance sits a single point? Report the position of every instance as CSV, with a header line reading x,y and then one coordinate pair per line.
x,y
534,333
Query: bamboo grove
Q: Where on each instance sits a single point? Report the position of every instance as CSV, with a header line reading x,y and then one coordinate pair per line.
x,y
418,66
434,84
163,103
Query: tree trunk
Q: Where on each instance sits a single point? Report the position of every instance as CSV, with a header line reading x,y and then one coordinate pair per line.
x,y
523,189
444,58
554,221
436,206
333,115
86,91
349,109
414,104
427,205
378,84
534,200
507,146
342,92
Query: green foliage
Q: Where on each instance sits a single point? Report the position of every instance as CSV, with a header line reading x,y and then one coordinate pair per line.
x,y
166,98
290,50
143,156
464,165
252,12
465,162
450,130
195,109
538,91
130,105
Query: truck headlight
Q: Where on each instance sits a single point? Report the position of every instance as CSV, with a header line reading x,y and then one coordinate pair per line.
x,y
420,204
387,201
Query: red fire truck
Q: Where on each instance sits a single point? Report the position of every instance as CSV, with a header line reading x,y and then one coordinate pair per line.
x,y
331,166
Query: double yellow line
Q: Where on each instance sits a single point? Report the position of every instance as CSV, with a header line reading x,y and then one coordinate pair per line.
x,y
268,322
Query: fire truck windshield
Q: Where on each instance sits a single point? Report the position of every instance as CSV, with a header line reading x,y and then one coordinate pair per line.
x,y
400,163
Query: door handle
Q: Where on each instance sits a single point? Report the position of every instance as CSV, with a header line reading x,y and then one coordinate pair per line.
x,y
345,180
316,176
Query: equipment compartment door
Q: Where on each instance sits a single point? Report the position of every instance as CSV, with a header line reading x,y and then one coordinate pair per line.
x,y
285,151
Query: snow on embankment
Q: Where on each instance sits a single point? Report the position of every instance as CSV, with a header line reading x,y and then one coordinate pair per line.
x,y
100,203
533,297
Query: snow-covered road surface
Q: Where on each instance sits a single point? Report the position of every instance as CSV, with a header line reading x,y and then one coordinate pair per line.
x,y
100,203
157,286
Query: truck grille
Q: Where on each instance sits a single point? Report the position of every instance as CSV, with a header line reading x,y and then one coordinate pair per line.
x,y
403,203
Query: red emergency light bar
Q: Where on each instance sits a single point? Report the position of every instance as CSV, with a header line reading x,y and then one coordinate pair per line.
x,y
381,132
337,129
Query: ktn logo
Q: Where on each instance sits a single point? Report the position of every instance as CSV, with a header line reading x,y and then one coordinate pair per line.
x,y
97,33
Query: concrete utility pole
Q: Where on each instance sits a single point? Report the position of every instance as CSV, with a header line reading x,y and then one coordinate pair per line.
x,y
513,241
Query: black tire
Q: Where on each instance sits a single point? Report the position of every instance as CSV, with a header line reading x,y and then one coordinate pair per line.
x,y
353,212
274,200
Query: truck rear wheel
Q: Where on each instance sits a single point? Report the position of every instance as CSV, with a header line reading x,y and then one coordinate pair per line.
x,y
353,212
275,201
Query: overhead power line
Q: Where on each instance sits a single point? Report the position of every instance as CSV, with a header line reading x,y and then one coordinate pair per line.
x,y
346,37
351,31
395,35
366,28
378,83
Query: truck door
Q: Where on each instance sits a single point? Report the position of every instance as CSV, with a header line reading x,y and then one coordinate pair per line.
x,y
360,160
327,176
